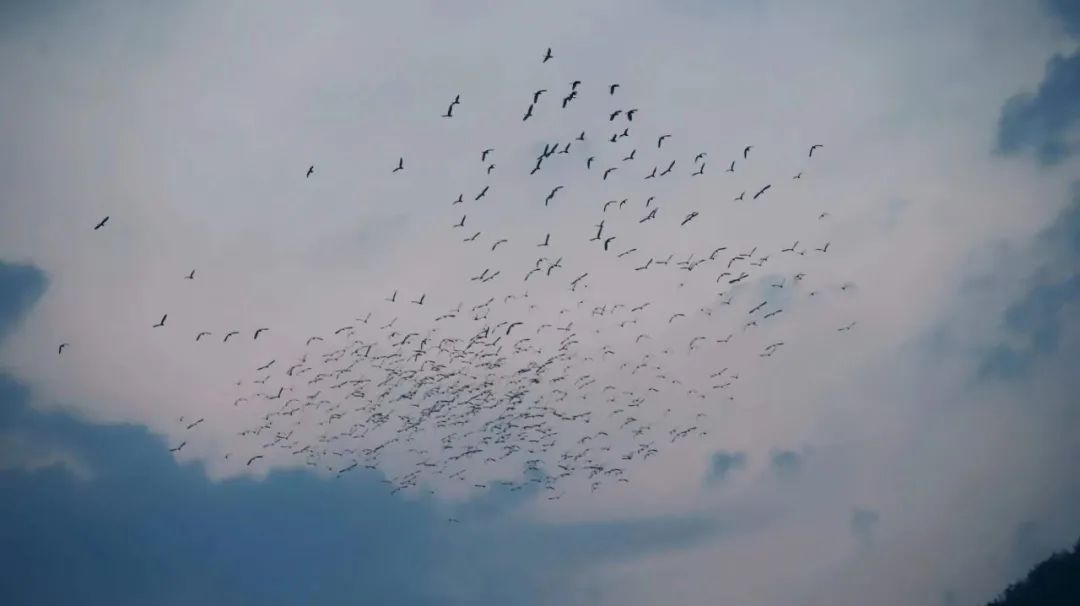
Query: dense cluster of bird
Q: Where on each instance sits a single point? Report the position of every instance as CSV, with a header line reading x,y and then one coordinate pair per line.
x,y
491,381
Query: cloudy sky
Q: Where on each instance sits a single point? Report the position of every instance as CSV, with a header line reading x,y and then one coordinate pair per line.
x,y
923,457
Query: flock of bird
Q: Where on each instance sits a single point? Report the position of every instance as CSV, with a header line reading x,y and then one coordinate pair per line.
x,y
545,397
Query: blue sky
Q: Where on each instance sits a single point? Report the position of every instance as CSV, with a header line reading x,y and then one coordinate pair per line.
x,y
928,456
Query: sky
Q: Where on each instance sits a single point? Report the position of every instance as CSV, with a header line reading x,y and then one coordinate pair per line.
x,y
922,457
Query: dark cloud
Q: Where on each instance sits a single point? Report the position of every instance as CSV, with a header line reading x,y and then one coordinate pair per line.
x,y
1035,321
723,463
787,463
20,287
1039,122
1068,11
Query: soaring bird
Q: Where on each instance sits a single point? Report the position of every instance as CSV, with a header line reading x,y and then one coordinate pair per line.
x,y
588,162
746,151
798,176
581,137
190,276
761,191
230,334
699,171
393,297
462,222
536,95
574,85
689,217
253,459
731,168
490,168
547,240
813,147
547,56
312,339
310,171
630,114
552,194
193,425
177,449
101,223
162,322
497,243
528,112
614,114
258,331
473,237
449,112
652,175
420,301
400,165
609,171
741,196
611,89
608,242
484,154
660,141
60,349
202,334
482,193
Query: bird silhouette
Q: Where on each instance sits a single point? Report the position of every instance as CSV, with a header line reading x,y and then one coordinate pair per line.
x,y
161,322
400,165
310,171
547,56
812,148
101,223
60,350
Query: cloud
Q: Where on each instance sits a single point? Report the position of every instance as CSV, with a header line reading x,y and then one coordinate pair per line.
x,y
1043,122
1068,12
723,463
22,286
787,463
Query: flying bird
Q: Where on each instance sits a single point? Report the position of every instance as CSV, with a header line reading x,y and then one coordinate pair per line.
x,y
731,168
177,449
60,349
162,322
547,240
660,141
689,217
400,165
536,95
607,242
101,223
202,334
230,334
746,151
461,223
484,154
419,301
761,191
258,331
528,112
552,194
253,459
497,243
547,56
813,147
609,171
611,89
190,276
483,192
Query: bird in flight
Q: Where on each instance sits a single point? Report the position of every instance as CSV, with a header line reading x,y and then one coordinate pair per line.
x,y
483,192
611,89
609,171
761,191
462,222
660,141
741,196
473,237
162,322
630,114
701,171
253,459
689,217
813,147
400,165
547,240
731,168
614,114
798,176
746,151
60,349
449,112
536,95
497,243
547,56
177,449
608,242
420,301
231,333
528,113
101,223
552,194
484,154
201,335
190,276
310,171
259,331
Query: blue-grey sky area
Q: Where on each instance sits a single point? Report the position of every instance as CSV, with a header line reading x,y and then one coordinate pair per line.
x,y
903,433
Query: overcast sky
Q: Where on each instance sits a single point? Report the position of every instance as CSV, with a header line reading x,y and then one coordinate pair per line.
x,y
923,457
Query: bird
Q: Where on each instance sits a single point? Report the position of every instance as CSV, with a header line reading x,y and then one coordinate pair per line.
x,y
689,217
473,237
740,197
700,171
484,154
823,249
609,171
449,112
511,327
528,112
459,200
547,240
490,168
536,95
259,331
482,193
177,449
761,191
192,425
230,334
581,137
552,194
630,114
253,459
461,223
393,297
419,301
574,85
668,169
660,141
698,157
652,175
611,88
190,276
631,156
311,339
400,165
731,168
746,151
613,115
846,328
607,242
497,243
813,147
310,171
650,216
588,162
547,56
798,176
60,350
162,322
202,334
101,223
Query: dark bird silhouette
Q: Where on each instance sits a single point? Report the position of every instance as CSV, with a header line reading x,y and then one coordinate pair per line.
x,y
588,162
162,322
230,334
310,171
190,276
177,449
652,175
650,216
193,425
484,154
536,95
449,112
731,168
483,192
419,301
761,191
689,217
607,242
547,56
253,459
741,196
459,200
699,171
473,237
259,331
798,176
613,115
611,89
631,156
668,169
511,327
660,141
490,168
528,112
400,165
746,151
813,147
581,137
547,240
630,114
461,223
101,223
609,171
60,350
823,248
574,85
497,243
552,194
